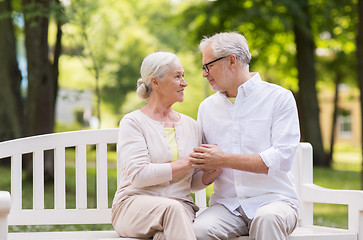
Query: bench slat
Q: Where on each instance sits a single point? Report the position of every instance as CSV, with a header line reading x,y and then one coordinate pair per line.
x,y
102,189
81,177
16,181
57,216
101,235
38,180
59,178
50,141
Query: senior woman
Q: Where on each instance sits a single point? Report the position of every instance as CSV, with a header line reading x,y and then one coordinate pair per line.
x,y
153,198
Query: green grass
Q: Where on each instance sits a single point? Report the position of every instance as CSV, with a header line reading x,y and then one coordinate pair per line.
x,y
333,215
345,174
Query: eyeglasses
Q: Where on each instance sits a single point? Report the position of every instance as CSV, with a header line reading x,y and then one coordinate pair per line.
x,y
205,66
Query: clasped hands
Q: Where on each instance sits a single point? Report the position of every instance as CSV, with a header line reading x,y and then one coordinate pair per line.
x,y
208,158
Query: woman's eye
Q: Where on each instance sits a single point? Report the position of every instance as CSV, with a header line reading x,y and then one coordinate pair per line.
x,y
180,76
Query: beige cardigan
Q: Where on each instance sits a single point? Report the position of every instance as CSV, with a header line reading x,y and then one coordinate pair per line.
x,y
145,158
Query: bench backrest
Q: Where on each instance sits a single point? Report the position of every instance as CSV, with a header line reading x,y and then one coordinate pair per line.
x,y
58,142
83,214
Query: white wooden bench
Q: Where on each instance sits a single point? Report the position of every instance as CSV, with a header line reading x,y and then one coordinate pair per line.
x,y
11,212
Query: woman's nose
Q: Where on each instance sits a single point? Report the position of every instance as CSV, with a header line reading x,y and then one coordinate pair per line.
x,y
183,83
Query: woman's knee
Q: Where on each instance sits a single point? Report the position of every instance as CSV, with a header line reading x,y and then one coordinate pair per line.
x,y
174,206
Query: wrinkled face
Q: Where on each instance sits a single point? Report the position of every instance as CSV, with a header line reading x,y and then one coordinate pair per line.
x,y
218,73
173,84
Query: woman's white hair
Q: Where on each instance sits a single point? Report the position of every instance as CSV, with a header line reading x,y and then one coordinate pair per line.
x,y
154,65
227,43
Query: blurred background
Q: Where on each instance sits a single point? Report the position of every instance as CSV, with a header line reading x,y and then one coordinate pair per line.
x,y
73,64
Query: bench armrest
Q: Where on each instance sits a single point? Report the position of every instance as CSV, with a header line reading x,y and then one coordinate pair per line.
x,y
353,198
315,193
5,204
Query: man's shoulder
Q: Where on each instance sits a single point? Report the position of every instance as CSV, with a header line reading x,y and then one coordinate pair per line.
x,y
273,87
212,98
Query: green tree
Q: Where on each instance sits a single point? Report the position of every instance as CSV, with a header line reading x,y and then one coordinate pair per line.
x,y
307,98
36,116
117,36
42,71
334,24
360,62
11,102
279,35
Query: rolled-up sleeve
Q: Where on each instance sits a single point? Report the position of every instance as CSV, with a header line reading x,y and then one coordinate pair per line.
x,y
285,136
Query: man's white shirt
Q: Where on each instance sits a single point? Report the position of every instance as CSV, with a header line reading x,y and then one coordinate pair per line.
x,y
263,120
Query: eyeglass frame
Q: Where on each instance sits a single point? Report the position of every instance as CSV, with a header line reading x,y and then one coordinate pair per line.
x,y
205,66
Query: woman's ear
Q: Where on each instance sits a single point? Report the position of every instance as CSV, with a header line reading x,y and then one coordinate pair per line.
x,y
154,82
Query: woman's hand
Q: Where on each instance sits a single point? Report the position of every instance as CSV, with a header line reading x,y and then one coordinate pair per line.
x,y
209,158
210,175
180,166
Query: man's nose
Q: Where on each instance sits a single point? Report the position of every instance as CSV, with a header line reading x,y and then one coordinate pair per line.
x,y
205,74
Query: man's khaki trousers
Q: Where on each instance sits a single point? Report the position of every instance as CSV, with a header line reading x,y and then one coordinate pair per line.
x,y
273,221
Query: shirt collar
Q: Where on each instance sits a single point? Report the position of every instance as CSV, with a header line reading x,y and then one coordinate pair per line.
x,y
247,87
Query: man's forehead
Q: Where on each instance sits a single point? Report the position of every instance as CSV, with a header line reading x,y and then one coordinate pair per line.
x,y
208,53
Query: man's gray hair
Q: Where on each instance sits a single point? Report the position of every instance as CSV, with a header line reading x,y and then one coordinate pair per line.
x,y
227,43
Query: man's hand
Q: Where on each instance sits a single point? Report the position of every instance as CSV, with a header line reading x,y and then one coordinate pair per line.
x,y
212,157
207,157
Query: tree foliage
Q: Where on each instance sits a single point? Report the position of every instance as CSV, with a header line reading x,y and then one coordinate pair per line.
x,y
277,31
111,38
119,35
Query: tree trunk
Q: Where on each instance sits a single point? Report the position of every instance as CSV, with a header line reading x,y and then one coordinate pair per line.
x,y
307,98
335,114
40,102
360,66
11,103
42,74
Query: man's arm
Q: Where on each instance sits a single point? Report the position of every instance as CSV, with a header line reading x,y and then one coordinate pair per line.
x,y
212,157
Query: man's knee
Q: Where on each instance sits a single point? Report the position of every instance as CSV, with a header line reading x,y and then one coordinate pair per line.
x,y
279,216
203,229
267,219
268,224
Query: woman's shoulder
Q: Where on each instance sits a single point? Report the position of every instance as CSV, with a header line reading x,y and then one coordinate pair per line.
x,y
134,116
185,119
